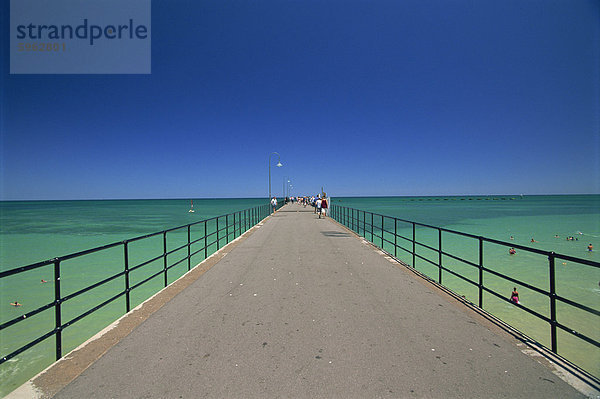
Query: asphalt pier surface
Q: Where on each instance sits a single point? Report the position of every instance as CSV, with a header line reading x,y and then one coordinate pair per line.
x,y
303,308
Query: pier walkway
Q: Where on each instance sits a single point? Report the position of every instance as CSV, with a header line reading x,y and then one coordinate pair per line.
x,y
300,307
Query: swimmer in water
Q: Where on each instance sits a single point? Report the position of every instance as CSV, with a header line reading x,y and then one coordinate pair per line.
x,y
512,238
44,281
532,240
590,247
16,304
514,296
512,251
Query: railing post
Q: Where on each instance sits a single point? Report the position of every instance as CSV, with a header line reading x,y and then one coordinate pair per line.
x,y
205,241
348,220
165,257
371,226
126,261
226,229
189,257
218,247
414,248
364,224
481,272
439,255
395,237
382,223
57,309
234,226
552,303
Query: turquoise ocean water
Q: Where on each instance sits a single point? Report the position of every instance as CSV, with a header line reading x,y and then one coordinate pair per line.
x,y
39,230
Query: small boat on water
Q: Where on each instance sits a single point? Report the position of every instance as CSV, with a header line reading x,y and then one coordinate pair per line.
x,y
192,208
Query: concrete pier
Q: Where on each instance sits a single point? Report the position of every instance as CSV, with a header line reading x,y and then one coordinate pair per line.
x,y
300,307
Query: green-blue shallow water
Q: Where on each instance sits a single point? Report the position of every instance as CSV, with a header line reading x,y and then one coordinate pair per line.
x,y
35,231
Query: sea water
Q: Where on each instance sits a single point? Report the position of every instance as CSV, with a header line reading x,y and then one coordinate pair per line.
x,y
35,231
548,220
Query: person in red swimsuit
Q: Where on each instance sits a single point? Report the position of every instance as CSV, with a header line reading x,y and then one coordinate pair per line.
x,y
514,297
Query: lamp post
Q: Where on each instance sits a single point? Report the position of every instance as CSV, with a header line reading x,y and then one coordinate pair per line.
x,y
279,165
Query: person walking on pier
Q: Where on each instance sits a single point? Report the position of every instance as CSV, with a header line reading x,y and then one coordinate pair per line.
x,y
274,204
324,205
319,203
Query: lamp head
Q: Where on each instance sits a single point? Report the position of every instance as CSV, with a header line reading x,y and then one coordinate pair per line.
x,y
279,165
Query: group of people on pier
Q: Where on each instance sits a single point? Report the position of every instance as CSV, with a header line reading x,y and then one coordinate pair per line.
x,y
319,202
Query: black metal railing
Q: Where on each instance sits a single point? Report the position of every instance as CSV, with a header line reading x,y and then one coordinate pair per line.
x,y
214,233
382,231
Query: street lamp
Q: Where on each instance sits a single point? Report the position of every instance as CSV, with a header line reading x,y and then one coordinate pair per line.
x,y
279,165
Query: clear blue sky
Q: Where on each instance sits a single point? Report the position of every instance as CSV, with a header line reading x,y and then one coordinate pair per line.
x,y
365,97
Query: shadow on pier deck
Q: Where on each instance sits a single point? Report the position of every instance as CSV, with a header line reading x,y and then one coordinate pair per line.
x,y
300,307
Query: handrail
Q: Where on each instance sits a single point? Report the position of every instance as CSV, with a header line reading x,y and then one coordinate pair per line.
x,y
240,222
351,218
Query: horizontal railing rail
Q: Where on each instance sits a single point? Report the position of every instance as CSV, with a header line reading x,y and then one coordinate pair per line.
x,y
224,229
372,226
